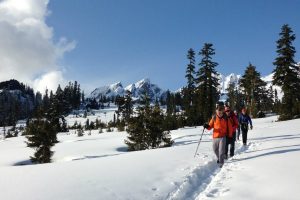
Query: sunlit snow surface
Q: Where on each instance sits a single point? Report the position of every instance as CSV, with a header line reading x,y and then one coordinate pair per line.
x,y
97,166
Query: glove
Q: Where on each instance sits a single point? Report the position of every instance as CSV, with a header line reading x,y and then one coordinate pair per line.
x,y
206,126
251,127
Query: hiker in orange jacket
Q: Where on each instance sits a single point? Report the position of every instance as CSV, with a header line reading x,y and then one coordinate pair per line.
x,y
230,140
222,127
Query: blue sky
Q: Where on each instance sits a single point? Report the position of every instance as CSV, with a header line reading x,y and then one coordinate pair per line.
x,y
127,40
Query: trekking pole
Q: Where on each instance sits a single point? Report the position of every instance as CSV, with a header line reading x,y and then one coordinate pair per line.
x,y
199,143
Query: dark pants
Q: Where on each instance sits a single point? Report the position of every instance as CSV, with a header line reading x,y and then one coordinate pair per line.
x,y
231,142
238,134
244,136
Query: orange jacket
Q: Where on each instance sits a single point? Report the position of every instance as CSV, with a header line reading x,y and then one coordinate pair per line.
x,y
222,126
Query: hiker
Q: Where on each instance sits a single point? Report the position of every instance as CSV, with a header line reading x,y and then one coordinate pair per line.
x,y
221,128
238,128
244,121
230,139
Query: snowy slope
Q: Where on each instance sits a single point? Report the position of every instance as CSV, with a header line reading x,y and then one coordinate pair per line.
x,y
98,167
267,169
105,115
226,80
268,79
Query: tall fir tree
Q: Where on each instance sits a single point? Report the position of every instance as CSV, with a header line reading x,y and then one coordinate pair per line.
x,y
286,74
189,98
190,70
137,133
154,127
128,106
207,82
136,139
40,135
254,89
231,95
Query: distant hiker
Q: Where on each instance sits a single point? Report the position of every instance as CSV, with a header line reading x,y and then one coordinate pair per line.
x,y
221,128
244,121
230,140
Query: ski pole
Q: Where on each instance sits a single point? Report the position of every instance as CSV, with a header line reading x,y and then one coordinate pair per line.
x,y
199,143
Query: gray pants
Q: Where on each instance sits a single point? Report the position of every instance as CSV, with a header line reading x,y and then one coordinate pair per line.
x,y
219,148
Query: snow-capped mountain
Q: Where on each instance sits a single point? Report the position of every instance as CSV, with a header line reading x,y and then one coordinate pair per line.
x,y
108,91
226,80
137,90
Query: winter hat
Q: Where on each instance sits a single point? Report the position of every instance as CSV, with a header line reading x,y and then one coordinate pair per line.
x,y
220,105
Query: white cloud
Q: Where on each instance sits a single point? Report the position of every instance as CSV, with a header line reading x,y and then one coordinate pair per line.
x,y
27,47
49,81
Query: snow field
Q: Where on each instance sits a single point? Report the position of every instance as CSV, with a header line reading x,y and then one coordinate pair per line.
x,y
97,166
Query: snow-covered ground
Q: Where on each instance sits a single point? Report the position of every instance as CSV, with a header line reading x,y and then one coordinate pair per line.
x,y
104,115
98,167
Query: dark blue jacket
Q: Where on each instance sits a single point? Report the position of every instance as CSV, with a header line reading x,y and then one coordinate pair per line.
x,y
245,119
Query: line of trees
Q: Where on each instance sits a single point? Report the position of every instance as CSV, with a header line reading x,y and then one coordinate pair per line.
x,y
201,92
253,93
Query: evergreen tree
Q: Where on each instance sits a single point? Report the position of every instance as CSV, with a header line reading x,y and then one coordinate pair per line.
x,y
120,102
137,134
128,106
55,110
231,93
87,124
286,74
190,70
254,89
82,97
80,132
145,128
277,104
40,134
92,125
270,100
207,82
38,99
155,127
170,102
